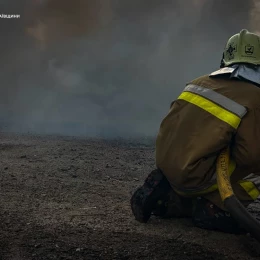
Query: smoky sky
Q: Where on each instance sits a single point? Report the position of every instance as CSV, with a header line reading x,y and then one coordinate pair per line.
x,y
107,67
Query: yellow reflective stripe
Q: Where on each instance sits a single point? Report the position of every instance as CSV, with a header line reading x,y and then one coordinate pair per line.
x,y
211,107
250,189
218,99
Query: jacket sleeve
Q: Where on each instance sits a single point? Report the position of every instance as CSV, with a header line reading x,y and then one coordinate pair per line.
x,y
246,148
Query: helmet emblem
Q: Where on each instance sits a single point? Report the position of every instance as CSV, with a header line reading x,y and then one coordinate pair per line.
x,y
249,49
230,51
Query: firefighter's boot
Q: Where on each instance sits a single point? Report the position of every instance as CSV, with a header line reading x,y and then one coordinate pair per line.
x,y
206,215
144,200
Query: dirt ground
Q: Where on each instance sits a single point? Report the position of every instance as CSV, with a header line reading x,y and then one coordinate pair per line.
x,y
68,198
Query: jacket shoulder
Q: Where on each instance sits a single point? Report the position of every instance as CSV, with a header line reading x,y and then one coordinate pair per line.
x,y
199,79
242,92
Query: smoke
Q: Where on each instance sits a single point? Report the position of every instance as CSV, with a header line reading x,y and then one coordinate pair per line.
x,y
108,67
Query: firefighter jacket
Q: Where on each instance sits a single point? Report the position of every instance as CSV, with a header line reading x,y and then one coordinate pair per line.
x,y
211,113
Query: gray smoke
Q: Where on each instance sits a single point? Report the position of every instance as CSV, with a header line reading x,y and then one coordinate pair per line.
x,y
109,67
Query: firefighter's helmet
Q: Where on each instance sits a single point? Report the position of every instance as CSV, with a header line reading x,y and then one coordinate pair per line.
x,y
243,47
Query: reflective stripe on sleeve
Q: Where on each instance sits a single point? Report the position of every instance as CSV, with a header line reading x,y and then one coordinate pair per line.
x,y
216,104
250,189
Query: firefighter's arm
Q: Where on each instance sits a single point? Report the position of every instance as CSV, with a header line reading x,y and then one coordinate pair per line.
x,y
246,148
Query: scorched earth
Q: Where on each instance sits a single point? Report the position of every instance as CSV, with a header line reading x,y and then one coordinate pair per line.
x,y
68,198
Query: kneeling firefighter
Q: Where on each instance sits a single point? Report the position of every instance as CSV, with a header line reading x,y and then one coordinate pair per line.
x,y
215,114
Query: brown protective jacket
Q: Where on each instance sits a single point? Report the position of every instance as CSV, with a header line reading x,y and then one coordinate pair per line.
x,y
190,138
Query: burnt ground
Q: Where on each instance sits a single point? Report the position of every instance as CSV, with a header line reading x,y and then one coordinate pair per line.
x,y
68,198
